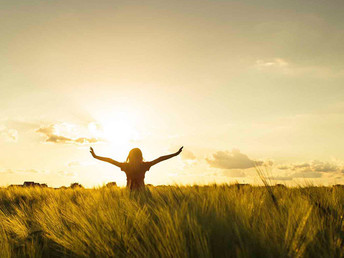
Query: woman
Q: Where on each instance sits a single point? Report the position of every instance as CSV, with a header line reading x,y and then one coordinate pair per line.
x,y
134,167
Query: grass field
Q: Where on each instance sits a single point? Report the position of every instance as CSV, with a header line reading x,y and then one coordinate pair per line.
x,y
172,221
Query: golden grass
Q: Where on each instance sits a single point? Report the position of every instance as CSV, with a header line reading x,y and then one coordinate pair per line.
x,y
172,221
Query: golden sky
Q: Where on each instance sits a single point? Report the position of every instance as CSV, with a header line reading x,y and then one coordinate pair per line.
x,y
234,82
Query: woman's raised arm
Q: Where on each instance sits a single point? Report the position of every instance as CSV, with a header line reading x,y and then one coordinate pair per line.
x,y
162,158
113,162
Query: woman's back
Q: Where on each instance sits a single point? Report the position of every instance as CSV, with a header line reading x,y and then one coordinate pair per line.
x,y
135,173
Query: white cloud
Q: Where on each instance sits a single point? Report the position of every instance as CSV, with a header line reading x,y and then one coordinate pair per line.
x,y
20,171
275,62
7,171
188,155
312,169
66,173
74,164
64,133
232,160
293,69
80,163
10,135
313,166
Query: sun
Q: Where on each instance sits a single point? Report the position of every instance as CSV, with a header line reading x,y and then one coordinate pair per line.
x,y
118,128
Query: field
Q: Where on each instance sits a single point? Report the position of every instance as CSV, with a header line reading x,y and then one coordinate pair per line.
x,y
173,221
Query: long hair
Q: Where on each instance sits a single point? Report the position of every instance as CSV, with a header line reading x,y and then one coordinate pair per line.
x,y
135,156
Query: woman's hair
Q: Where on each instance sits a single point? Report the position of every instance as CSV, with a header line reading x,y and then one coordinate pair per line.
x,y
135,156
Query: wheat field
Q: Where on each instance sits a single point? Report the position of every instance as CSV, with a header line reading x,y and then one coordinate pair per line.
x,y
172,221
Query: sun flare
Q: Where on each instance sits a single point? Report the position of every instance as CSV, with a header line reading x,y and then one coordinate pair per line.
x,y
119,129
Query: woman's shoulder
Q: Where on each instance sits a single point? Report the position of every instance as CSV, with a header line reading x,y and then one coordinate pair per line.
x,y
147,164
124,166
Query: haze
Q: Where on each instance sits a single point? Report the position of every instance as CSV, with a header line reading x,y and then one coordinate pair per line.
x,y
236,83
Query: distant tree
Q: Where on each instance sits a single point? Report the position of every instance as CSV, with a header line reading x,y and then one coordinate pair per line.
x,y
28,183
339,186
280,185
111,184
76,185
32,184
10,186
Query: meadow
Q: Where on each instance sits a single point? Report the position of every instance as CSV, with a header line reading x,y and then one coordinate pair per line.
x,y
173,221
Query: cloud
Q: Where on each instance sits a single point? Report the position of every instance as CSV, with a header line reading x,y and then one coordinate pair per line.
x,y
188,155
234,173
300,166
283,167
306,174
275,62
325,166
313,166
20,124
53,134
7,171
66,173
265,163
21,171
232,160
29,171
74,164
280,178
312,169
281,65
10,135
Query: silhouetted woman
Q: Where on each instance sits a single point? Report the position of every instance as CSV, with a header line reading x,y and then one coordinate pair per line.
x,y
134,167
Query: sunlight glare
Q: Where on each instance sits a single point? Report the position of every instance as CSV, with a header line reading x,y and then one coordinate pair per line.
x,y
118,129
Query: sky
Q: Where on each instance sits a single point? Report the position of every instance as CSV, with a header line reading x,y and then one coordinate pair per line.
x,y
239,84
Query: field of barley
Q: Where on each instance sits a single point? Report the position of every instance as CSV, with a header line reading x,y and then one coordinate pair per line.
x,y
173,221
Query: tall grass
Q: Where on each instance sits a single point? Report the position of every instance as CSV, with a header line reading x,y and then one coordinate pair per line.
x,y
172,221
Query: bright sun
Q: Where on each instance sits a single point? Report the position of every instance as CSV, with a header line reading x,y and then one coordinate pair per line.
x,y
118,129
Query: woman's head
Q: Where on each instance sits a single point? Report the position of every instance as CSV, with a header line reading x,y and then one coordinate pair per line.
x,y
135,156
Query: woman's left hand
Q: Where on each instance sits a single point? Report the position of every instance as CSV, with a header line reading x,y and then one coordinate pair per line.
x,y
180,150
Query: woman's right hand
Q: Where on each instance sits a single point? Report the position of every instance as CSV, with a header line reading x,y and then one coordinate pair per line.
x,y
92,152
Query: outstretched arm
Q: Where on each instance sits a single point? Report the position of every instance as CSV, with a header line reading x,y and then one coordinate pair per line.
x,y
162,158
114,162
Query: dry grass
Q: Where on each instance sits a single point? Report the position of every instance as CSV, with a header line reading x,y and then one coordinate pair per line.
x,y
172,221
